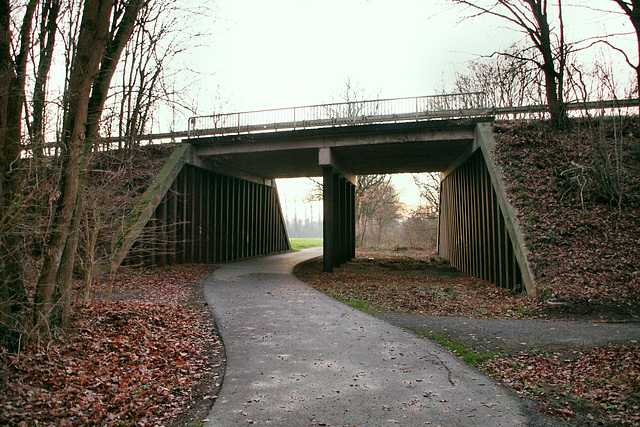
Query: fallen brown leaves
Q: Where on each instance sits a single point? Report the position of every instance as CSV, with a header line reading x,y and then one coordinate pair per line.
x,y
598,387
418,286
585,252
140,360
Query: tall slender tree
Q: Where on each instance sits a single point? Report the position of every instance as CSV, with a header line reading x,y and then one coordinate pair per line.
x,y
105,28
13,70
532,18
50,10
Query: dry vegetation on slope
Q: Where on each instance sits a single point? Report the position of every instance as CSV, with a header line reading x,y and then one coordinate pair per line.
x,y
150,357
577,193
115,184
584,237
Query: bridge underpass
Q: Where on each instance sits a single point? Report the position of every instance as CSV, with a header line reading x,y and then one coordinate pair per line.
x,y
216,200
474,234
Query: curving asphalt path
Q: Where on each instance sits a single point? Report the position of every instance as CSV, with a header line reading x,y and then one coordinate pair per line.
x,y
513,335
296,357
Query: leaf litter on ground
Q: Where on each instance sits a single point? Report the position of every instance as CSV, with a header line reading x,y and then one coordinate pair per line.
x,y
152,356
598,386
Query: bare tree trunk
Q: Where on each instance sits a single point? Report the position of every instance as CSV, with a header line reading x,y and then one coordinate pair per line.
x,y
12,84
64,278
120,34
92,226
100,44
532,18
553,78
631,8
50,11
92,41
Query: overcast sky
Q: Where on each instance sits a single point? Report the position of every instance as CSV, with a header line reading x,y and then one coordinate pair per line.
x,y
285,53
282,53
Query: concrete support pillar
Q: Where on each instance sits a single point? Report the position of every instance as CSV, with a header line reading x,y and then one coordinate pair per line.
x,y
352,220
339,201
338,214
328,220
339,227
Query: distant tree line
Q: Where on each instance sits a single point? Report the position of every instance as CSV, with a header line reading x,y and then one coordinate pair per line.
x,y
382,220
303,228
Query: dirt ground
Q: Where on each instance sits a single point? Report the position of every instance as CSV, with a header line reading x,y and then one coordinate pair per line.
x,y
431,286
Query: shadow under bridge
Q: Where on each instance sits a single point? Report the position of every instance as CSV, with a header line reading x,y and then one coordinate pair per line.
x,y
477,228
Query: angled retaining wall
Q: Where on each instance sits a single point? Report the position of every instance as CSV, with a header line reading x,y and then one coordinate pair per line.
x,y
191,214
479,232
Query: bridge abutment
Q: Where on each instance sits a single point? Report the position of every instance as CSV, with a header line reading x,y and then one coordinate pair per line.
x,y
192,213
479,232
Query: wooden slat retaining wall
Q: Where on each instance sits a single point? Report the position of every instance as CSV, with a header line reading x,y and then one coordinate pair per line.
x,y
473,235
208,217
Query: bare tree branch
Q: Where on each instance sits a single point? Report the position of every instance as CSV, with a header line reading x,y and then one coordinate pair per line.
x,y
531,17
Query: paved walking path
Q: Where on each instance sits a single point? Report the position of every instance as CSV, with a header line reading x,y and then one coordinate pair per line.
x,y
296,357
513,335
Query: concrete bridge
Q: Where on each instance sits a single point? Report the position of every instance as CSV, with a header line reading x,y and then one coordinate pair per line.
x,y
339,154
216,200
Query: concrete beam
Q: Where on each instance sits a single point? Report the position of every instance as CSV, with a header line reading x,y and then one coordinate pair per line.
x,y
213,166
253,143
326,157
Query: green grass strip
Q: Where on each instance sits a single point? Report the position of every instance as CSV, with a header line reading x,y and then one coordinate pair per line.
x,y
354,301
298,244
469,356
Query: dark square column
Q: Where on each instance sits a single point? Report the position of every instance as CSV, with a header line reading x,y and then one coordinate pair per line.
x,y
352,220
328,219
337,220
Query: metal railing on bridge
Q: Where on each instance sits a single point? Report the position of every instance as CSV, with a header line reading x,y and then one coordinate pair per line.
x,y
450,106
343,114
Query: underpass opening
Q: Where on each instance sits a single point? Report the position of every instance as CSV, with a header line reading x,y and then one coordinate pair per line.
x,y
391,213
225,205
